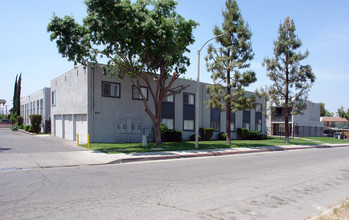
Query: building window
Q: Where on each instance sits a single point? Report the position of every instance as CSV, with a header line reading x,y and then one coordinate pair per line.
x,y
188,112
136,95
232,121
189,99
188,125
53,98
37,106
41,105
168,113
258,107
246,125
169,98
168,122
259,127
110,89
232,126
246,119
215,119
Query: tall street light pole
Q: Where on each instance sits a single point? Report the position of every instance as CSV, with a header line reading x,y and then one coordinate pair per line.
x,y
198,94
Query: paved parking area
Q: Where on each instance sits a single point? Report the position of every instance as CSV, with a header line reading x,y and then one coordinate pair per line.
x,y
19,142
19,150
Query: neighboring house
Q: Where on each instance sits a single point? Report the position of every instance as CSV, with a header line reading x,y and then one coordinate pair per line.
x,y
335,124
84,101
37,103
306,124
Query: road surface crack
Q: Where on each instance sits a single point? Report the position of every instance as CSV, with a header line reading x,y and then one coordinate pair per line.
x,y
184,210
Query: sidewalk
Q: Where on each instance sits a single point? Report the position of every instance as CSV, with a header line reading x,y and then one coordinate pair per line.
x,y
37,160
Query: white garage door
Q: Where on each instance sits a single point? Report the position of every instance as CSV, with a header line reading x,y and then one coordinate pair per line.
x,y
68,127
58,125
81,127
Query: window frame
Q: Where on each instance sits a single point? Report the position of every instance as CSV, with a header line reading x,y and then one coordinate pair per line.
x,y
218,122
191,106
186,93
184,129
140,98
173,98
249,125
232,123
111,96
162,121
53,98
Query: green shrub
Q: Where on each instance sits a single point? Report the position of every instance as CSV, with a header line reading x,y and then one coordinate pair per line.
x,y
245,134
174,135
26,127
242,133
264,136
3,117
35,121
13,119
206,133
253,135
21,127
170,135
31,129
15,127
163,131
20,120
192,137
222,136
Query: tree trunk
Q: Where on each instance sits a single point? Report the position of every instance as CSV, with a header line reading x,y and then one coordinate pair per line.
x,y
286,105
286,127
228,138
157,133
228,121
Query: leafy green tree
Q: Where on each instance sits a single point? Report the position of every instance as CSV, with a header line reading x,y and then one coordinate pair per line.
x,y
324,112
17,95
342,113
291,80
14,101
227,63
144,41
18,100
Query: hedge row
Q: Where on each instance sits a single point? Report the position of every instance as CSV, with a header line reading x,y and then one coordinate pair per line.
x,y
245,134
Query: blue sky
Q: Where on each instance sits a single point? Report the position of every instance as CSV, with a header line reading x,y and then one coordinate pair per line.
x,y
323,27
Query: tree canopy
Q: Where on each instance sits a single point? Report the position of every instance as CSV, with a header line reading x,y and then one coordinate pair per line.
x,y
324,112
15,110
145,41
342,113
227,64
291,81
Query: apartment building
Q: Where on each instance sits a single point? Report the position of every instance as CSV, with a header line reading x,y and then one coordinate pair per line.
x,y
306,124
37,103
84,101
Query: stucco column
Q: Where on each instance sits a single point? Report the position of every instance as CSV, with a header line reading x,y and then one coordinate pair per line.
x,y
74,127
63,128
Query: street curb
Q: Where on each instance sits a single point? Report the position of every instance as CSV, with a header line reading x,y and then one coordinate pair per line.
x,y
181,156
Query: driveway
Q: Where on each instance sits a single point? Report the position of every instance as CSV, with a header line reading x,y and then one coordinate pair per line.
x,y
19,142
19,150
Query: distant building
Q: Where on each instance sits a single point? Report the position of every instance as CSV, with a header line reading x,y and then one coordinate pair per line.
x,y
335,124
37,103
306,124
84,101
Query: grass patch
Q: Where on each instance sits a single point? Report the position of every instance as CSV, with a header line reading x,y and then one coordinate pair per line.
x,y
339,212
329,140
111,148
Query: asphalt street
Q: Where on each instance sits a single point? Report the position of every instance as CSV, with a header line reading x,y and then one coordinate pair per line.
x,y
271,185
